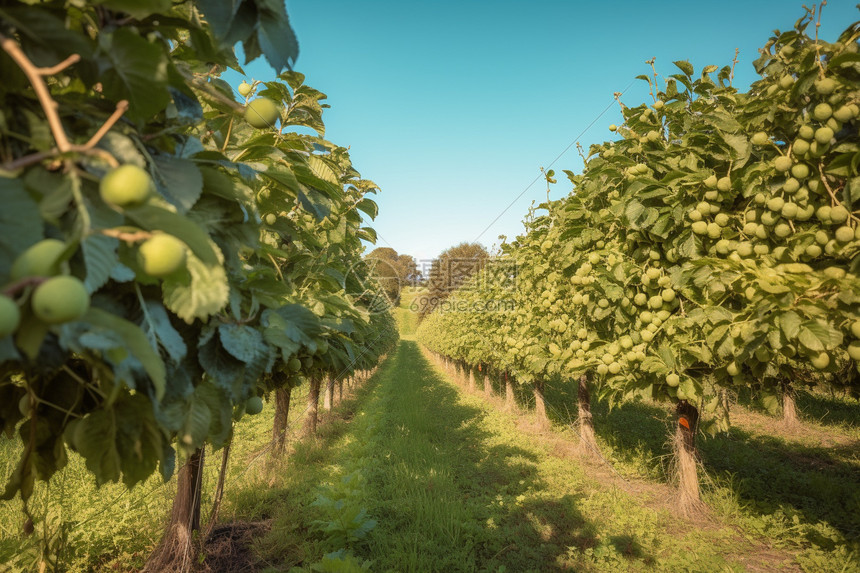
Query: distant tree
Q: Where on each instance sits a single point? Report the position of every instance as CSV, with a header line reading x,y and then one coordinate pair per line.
x,y
393,271
449,270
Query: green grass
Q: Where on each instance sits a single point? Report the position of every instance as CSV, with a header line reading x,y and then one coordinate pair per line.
x,y
455,485
113,528
407,319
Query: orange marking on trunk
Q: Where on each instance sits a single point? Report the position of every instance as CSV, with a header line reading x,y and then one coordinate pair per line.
x,y
684,422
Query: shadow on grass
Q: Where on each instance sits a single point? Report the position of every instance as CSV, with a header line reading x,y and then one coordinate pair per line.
x,y
819,406
767,475
448,499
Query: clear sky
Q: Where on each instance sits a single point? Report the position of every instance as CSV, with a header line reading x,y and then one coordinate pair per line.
x,y
452,107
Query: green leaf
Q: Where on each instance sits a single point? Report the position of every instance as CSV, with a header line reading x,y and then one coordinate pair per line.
x,y
178,180
789,321
685,67
137,72
136,343
20,221
770,402
153,218
809,340
96,442
369,207
197,294
242,341
275,35
139,9
160,331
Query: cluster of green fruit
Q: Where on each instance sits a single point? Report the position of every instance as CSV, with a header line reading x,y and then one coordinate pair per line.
x,y
713,244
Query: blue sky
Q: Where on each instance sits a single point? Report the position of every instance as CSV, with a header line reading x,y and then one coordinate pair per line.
x,y
452,107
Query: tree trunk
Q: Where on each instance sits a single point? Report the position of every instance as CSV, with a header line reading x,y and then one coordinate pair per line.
x,y
540,405
587,440
328,399
219,489
488,384
310,425
339,391
280,425
789,407
176,552
686,460
510,399
472,385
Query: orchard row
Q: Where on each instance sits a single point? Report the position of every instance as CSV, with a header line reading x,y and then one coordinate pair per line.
x,y
713,247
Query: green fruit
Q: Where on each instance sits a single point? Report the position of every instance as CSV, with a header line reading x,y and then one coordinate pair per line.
x,y
614,368
786,51
801,146
834,124
776,204
24,405
823,213
262,113
744,249
760,138
822,112
673,380
602,369
161,255
823,135
786,81
658,105
700,227
254,405
721,219
38,260
640,299
838,214
789,210
834,273
768,219
714,230
712,195
806,132
782,163
760,198
782,230
60,299
711,182
655,302
271,218
820,361
844,234
855,329
126,186
813,251
10,316
244,89
668,295
733,369
843,114
791,186
695,215
704,208
854,350
724,184
613,127
294,364
825,86
821,237
800,170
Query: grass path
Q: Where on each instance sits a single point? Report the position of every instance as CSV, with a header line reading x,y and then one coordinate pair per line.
x,y
456,485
